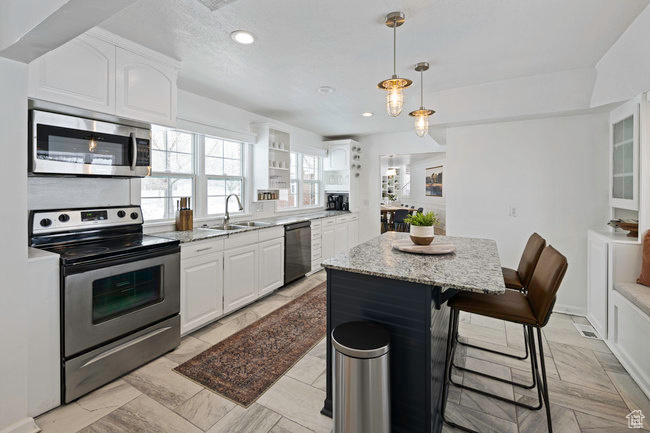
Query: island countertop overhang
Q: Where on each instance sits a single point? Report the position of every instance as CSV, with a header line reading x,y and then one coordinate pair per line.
x,y
474,267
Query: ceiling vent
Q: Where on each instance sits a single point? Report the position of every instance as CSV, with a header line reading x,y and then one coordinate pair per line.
x,y
213,5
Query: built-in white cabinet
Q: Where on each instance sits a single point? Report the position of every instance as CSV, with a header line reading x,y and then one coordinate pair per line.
x,y
80,73
145,89
597,281
104,73
353,231
338,234
340,238
624,156
271,160
201,290
271,269
338,157
327,239
240,277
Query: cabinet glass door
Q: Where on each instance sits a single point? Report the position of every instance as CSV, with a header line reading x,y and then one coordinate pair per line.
x,y
623,159
624,156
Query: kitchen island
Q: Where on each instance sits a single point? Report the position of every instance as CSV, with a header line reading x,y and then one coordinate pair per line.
x,y
406,293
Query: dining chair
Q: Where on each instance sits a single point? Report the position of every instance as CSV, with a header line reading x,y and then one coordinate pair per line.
x,y
532,309
420,210
398,220
412,207
518,280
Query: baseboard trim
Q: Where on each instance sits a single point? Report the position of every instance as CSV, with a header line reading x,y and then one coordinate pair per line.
x,y
569,309
630,368
26,425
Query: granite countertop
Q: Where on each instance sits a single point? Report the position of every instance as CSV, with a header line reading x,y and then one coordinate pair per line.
x,y
202,233
474,267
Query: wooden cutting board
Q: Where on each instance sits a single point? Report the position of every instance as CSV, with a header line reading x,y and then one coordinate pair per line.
x,y
409,247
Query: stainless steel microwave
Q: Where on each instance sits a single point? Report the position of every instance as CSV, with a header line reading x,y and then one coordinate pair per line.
x,y
69,145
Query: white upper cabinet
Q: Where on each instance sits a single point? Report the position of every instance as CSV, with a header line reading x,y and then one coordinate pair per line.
x,y
338,158
80,73
102,72
145,89
624,156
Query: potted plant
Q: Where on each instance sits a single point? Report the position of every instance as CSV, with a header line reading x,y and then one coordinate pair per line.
x,y
422,227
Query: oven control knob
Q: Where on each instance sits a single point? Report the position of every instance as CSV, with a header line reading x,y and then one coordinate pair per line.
x,y
121,213
46,222
134,215
64,217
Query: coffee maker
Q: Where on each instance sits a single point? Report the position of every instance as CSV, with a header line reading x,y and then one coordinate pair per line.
x,y
337,202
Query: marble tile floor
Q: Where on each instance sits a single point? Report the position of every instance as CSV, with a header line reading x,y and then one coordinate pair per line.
x,y
590,391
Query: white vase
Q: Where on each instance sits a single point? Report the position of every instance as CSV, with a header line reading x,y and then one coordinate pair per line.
x,y
421,235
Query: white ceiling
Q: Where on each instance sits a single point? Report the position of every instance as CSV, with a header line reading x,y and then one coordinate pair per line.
x,y
305,44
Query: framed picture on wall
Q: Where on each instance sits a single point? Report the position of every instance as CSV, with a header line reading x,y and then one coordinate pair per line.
x,y
433,181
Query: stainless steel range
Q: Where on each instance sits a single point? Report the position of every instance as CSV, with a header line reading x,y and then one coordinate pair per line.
x,y
120,292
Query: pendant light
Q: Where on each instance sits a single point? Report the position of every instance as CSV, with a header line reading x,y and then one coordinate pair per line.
x,y
394,86
421,115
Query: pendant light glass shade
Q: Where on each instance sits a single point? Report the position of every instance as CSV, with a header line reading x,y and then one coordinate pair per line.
x,y
421,124
394,86
395,100
421,115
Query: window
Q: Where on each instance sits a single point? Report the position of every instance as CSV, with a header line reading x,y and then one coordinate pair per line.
x,y
224,170
172,167
310,180
193,165
305,186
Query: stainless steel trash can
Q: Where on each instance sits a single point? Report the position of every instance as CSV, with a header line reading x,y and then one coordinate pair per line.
x,y
361,378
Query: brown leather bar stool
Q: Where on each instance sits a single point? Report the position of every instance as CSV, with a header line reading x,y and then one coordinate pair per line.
x,y
516,280
532,309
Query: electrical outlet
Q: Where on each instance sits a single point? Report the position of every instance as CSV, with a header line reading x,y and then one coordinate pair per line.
x,y
513,212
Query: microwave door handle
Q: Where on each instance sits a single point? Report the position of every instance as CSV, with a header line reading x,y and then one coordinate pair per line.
x,y
133,145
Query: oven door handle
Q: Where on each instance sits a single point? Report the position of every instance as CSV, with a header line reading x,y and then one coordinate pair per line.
x,y
133,145
126,345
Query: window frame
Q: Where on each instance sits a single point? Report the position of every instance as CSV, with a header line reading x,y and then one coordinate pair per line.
x,y
200,179
300,182
204,177
175,175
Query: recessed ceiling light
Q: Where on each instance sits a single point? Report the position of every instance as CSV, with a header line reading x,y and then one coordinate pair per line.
x,y
242,37
368,114
326,89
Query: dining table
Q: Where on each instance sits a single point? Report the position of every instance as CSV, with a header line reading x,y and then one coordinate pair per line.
x,y
407,294
389,210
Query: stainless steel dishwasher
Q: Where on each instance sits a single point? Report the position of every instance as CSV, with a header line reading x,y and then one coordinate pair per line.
x,y
297,250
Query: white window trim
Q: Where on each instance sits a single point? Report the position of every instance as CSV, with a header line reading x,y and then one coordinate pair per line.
x,y
200,182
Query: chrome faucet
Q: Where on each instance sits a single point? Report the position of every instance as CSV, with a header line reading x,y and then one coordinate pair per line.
x,y
226,219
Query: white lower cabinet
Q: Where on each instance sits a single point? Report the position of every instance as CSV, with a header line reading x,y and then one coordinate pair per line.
x,y
201,290
597,282
327,242
353,232
240,277
340,238
271,266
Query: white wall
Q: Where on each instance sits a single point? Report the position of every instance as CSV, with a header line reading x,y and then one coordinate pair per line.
x,y
13,254
369,183
553,170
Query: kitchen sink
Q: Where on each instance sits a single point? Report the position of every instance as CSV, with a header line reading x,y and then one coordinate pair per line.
x,y
251,224
230,227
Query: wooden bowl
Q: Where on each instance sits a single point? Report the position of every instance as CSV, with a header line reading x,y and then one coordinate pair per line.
x,y
633,228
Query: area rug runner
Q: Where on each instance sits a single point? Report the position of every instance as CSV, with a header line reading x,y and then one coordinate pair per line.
x,y
247,363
